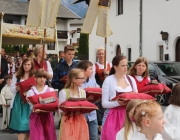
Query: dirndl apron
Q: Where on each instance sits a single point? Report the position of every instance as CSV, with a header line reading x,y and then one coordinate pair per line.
x,y
42,125
74,127
113,119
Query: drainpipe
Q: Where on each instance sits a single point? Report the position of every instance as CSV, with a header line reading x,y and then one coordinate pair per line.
x,y
140,29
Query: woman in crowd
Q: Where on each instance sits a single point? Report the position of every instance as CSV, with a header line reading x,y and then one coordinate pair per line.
x,y
117,82
148,116
100,73
38,52
19,120
74,126
172,116
41,123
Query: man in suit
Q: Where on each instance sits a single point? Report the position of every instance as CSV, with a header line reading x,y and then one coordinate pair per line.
x,y
3,71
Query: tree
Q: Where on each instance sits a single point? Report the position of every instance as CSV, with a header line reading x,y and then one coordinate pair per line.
x,y
83,50
25,48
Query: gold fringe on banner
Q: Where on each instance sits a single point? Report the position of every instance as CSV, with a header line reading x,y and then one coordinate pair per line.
x,y
94,10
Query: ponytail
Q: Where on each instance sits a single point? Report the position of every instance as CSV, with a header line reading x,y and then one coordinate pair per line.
x,y
112,71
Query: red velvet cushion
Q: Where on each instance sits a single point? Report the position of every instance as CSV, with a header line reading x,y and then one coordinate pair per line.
x,y
153,89
166,89
95,92
25,86
46,107
132,95
82,106
64,79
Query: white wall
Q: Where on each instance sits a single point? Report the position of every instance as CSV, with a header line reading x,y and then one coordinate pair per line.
x,y
125,29
160,15
157,15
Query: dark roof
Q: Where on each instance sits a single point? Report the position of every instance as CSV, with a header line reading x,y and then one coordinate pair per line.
x,y
20,8
77,1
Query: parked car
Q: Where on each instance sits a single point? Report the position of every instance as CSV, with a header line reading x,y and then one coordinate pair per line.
x,y
164,72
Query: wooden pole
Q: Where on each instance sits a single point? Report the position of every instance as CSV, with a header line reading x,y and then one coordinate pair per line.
x,y
42,60
2,15
105,47
105,42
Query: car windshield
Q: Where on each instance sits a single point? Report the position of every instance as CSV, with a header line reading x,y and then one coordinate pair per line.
x,y
169,69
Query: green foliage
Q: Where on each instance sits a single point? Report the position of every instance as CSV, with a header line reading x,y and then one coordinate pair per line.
x,y
20,49
84,44
25,48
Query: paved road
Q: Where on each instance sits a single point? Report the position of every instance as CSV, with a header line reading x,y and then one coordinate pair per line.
x,y
9,136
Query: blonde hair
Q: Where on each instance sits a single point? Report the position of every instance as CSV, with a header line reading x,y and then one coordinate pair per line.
x,y
98,49
147,108
37,49
128,122
74,73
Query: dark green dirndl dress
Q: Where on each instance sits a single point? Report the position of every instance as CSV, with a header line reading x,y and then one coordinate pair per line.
x,y
19,118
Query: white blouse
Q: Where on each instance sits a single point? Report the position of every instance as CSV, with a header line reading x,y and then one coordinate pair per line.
x,y
63,96
120,135
31,93
141,136
110,87
172,123
13,88
100,67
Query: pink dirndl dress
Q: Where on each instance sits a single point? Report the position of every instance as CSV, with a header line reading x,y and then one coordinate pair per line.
x,y
42,125
113,121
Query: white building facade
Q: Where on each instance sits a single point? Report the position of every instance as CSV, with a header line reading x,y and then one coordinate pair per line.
x,y
136,26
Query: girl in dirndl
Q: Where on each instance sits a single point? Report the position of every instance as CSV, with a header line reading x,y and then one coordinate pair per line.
x,y
41,123
117,83
74,126
20,112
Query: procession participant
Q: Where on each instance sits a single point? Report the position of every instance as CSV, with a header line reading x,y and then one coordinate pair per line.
x,y
74,126
23,56
91,118
172,116
38,52
148,116
11,66
63,68
99,73
41,123
3,71
18,64
139,71
129,129
117,82
20,112
6,96
61,56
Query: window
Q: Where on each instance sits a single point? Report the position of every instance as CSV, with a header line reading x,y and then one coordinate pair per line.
x,y
161,51
129,54
51,46
78,30
77,40
119,7
8,21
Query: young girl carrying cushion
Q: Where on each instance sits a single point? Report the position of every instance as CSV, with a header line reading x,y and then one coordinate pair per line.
x,y
41,123
117,83
73,125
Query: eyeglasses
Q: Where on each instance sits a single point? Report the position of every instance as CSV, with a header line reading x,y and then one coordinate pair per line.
x,y
82,78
